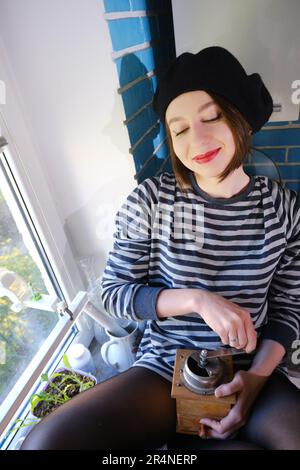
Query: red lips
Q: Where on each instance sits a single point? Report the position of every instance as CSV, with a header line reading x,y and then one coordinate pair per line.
x,y
207,154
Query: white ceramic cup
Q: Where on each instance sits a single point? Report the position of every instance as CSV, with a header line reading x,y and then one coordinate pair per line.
x,y
120,351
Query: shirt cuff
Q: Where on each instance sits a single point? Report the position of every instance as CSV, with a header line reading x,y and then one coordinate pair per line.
x,y
279,332
144,302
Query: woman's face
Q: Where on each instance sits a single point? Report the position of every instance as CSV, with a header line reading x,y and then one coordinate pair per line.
x,y
197,127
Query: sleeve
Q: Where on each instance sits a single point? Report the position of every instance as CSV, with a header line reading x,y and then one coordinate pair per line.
x,y
284,294
125,292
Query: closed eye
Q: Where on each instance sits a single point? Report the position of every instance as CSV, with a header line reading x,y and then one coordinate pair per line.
x,y
214,119
208,120
181,132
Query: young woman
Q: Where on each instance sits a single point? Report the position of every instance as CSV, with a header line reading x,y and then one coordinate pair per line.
x,y
209,257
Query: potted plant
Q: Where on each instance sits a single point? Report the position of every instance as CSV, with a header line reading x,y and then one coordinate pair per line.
x,y
60,387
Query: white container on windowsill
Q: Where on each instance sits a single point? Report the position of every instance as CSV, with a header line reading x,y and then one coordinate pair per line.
x,y
80,358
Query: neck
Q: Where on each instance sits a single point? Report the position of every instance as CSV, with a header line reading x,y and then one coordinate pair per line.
x,y
231,186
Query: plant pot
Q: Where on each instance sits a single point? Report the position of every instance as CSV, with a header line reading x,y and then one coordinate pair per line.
x,y
63,385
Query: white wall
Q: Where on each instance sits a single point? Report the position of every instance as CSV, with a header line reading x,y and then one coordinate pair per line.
x,y
263,34
56,58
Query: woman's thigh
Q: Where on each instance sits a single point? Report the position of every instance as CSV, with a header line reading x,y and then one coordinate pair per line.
x,y
133,410
274,422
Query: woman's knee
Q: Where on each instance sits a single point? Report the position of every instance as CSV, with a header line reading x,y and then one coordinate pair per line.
x,y
274,422
38,439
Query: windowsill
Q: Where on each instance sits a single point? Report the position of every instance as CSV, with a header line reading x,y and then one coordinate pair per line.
x,y
102,372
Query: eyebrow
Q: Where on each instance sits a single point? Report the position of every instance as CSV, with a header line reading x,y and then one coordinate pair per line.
x,y
204,106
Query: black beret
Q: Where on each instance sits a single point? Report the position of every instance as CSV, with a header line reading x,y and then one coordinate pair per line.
x,y
216,70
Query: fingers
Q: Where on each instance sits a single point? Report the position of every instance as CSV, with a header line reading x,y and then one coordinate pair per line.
x,y
234,338
235,419
202,431
225,427
232,322
217,430
211,434
242,337
252,335
235,386
242,334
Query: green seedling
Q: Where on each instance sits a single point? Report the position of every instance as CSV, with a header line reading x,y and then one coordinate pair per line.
x,y
61,387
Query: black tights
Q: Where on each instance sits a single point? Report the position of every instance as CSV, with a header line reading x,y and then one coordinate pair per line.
x,y
134,410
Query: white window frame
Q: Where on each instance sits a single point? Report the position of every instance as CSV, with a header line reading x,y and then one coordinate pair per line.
x,y
64,269
47,360
59,253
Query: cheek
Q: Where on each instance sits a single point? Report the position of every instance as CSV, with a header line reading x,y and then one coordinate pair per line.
x,y
179,147
231,146
227,138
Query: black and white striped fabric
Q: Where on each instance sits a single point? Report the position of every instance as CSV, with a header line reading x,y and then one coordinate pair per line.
x,y
245,248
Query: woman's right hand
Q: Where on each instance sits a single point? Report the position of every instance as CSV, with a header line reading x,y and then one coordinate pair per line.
x,y
230,321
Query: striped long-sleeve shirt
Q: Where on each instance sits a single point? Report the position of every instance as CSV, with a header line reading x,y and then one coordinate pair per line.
x,y
245,248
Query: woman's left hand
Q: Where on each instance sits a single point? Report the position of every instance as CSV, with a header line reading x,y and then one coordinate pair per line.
x,y
247,385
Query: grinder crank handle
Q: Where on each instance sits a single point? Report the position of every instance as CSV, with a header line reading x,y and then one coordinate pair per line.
x,y
226,352
222,352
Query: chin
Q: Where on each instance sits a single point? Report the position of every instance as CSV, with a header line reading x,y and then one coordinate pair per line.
x,y
209,173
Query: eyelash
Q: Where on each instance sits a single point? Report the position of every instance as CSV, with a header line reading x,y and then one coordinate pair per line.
x,y
209,120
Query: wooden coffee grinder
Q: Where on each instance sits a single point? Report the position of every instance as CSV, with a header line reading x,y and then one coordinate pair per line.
x,y
197,374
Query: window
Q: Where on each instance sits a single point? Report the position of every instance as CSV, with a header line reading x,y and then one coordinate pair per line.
x,y
24,326
30,327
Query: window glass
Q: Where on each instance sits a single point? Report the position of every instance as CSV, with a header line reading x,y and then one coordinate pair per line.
x,y
25,293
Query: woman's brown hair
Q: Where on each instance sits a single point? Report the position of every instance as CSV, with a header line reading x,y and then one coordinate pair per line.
x,y
241,135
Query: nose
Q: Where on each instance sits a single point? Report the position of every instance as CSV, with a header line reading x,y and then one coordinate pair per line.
x,y
200,136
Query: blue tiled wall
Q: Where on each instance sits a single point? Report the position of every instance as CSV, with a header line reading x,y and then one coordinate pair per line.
x,y
127,5
154,26
280,141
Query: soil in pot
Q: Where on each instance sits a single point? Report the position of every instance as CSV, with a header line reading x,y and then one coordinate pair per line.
x,y
67,388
